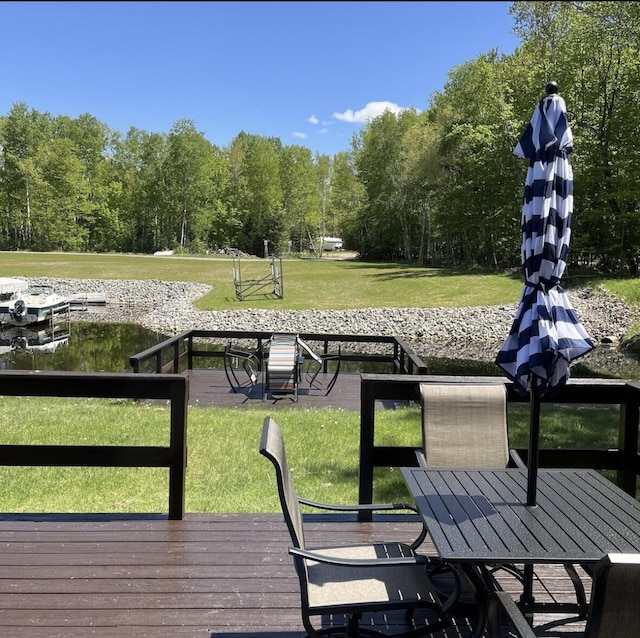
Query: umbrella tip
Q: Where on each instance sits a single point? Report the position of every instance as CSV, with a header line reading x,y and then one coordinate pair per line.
x,y
552,87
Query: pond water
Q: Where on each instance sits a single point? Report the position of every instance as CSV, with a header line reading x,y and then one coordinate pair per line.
x,y
90,347
106,347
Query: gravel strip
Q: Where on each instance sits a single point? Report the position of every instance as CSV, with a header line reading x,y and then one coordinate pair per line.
x,y
474,333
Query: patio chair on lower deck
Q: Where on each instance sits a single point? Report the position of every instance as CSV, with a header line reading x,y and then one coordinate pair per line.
x,y
241,368
319,363
281,373
613,607
345,582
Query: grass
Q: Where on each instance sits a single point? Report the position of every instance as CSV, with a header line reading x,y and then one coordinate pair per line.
x,y
308,283
225,472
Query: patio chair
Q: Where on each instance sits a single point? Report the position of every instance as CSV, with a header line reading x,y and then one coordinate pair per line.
x,y
347,581
465,425
283,367
320,363
613,610
241,368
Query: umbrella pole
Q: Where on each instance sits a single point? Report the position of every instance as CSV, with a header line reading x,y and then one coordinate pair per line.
x,y
534,438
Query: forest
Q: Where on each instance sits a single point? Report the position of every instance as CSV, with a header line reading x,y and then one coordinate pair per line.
x,y
434,187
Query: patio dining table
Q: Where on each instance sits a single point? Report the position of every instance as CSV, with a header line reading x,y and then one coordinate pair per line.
x,y
479,518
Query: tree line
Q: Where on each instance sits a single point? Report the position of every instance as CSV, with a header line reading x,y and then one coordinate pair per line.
x,y
436,187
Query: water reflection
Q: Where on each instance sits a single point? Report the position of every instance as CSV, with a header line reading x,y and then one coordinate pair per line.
x,y
106,347
89,347
43,337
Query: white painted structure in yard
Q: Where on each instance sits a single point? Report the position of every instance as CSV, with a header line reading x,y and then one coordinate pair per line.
x,y
330,243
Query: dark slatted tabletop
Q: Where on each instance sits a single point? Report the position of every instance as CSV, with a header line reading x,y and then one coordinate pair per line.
x,y
480,516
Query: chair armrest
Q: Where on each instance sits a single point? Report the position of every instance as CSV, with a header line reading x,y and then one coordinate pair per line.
x,y
421,458
501,603
515,460
319,557
372,507
362,507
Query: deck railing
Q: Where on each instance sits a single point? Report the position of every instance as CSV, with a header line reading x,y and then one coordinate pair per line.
x,y
624,459
172,388
185,352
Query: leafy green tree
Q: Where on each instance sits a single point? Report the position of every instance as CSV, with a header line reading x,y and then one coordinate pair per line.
x,y
301,200
257,194
347,197
89,139
480,204
388,222
595,61
24,132
188,188
140,161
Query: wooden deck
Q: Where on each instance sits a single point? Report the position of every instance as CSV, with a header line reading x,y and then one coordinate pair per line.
x,y
211,574
210,387
217,575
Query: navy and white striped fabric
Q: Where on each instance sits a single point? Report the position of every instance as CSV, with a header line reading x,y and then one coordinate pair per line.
x,y
546,334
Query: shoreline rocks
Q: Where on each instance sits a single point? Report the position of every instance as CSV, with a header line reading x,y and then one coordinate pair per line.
x,y
474,333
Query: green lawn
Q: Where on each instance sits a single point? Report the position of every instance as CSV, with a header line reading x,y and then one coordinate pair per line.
x,y
225,472
308,283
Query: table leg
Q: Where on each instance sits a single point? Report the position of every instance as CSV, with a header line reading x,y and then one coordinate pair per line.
x,y
527,599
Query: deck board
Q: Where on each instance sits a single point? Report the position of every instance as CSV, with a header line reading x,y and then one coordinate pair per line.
x,y
207,575
210,387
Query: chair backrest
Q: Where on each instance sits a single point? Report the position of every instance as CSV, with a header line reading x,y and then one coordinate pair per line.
x,y
464,425
614,610
272,446
282,362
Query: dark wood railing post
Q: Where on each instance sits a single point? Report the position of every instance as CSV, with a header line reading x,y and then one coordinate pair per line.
x,y
628,438
367,425
178,446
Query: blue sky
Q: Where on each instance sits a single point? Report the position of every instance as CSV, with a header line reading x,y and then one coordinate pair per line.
x,y
309,73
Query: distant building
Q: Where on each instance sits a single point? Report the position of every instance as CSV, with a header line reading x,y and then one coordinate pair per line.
x,y
330,243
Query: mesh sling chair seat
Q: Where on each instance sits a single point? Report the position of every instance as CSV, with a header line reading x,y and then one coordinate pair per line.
x,y
338,584
613,610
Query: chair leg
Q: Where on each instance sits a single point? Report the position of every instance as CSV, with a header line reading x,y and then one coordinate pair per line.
x,y
578,586
353,625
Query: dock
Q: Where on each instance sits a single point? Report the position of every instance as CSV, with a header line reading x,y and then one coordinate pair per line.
x,y
83,299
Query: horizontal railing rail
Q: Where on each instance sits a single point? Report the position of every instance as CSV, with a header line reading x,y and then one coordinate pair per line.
x,y
624,459
172,388
182,351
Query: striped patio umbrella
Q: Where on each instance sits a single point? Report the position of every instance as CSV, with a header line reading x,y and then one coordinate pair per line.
x,y
546,335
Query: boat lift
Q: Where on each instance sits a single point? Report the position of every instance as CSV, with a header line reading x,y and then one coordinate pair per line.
x,y
250,287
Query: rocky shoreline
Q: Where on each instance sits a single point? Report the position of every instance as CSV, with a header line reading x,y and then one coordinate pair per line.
x,y
474,333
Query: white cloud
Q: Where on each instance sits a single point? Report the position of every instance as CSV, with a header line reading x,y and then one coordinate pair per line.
x,y
369,112
302,136
313,120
